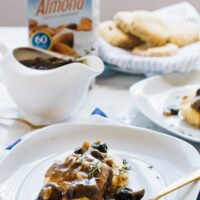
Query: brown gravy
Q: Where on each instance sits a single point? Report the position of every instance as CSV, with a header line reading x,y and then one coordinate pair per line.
x,y
89,173
48,63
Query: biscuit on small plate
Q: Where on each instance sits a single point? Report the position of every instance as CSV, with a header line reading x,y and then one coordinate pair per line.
x,y
145,25
189,114
152,51
183,33
114,36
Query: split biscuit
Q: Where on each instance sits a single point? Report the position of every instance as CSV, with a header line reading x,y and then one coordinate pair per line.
x,y
189,114
148,50
114,36
144,25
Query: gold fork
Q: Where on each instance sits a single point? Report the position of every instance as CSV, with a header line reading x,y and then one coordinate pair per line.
x,y
20,120
194,177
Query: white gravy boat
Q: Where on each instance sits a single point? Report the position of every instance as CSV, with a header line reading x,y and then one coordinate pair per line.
x,y
51,95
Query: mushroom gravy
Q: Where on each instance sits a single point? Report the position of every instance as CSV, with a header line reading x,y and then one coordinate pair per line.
x,y
48,63
89,173
41,60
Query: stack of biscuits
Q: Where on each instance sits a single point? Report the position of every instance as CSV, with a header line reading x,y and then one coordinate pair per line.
x,y
145,34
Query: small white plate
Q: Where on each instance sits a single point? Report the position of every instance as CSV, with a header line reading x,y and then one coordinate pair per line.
x,y
153,94
156,160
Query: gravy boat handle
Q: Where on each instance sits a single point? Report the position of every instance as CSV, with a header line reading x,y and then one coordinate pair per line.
x,y
3,50
95,64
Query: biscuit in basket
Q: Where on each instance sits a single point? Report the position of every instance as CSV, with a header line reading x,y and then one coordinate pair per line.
x,y
183,33
144,25
65,50
123,21
66,38
114,36
149,50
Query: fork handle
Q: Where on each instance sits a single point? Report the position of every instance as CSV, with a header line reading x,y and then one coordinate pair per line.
x,y
195,176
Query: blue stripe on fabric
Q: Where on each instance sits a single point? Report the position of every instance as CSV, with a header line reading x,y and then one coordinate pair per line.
x,y
10,147
98,111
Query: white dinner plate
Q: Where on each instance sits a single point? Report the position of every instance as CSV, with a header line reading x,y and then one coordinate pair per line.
x,y
156,160
153,94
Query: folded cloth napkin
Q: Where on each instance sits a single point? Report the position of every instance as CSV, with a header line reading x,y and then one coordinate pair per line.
x,y
187,59
97,116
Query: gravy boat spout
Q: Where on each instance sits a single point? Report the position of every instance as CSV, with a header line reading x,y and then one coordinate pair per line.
x,y
84,69
49,94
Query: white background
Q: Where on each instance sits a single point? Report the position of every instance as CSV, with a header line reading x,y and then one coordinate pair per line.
x,y
13,12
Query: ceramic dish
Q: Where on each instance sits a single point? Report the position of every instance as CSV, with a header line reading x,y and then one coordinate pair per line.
x,y
153,94
26,72
150,155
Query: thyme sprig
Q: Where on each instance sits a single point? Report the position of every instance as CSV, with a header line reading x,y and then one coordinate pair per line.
x,y
95,169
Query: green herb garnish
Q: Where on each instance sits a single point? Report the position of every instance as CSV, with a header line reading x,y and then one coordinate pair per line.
x,y
95,169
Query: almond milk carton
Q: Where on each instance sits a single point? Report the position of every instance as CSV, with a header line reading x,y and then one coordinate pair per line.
x,y
68,27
